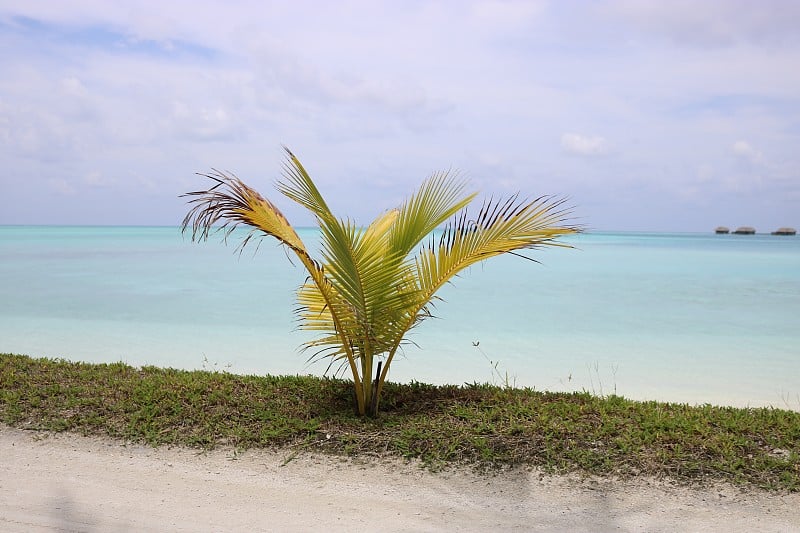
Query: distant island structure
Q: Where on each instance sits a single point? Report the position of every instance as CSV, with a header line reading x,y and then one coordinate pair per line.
x,y
745,230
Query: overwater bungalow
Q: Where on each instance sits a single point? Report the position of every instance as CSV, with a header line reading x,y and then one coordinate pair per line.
x,y
722,230
785,231
745,230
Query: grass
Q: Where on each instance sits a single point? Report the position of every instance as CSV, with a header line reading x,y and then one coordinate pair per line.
x,y
478,425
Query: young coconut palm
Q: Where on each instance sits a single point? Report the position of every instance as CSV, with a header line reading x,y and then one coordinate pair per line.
x,y
372,285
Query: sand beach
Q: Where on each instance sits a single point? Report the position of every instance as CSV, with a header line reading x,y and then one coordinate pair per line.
x,y
66,482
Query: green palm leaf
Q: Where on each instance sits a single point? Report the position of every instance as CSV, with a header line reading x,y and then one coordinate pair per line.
x,y
502,226
372,285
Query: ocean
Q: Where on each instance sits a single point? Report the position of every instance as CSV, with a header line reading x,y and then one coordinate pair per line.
x,y
694,318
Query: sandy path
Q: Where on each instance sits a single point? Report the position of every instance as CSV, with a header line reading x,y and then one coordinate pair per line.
x,y
70,483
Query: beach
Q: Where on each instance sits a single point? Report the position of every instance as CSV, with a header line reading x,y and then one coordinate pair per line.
x,y
66,482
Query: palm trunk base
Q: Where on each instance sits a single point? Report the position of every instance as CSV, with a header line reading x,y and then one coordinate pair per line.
x,y
371,409
373,404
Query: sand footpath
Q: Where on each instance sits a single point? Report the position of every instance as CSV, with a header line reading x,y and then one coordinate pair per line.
x,y
60,482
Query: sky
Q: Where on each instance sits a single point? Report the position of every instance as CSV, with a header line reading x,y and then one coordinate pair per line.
x,y
647,116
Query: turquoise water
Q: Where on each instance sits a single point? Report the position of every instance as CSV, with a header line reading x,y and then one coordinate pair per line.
x,y
685,317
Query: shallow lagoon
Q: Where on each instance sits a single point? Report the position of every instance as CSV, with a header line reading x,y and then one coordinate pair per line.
x,y
681,317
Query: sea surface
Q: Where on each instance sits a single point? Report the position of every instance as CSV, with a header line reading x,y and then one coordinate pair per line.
x,y
696,318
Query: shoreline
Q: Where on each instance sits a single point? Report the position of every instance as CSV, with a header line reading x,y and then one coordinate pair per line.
x,y
66,481
786,400
694,320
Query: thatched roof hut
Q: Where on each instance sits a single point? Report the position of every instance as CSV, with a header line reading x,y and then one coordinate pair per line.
x,y
785,231
722,230
745,230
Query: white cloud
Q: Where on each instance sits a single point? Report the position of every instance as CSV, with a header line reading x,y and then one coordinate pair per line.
x,y
713,22
61,186
385,93
73,87
583,144
202,123
505,13
744,150
705,173
97,179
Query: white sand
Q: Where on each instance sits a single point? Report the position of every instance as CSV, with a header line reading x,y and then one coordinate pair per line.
x,y
70,483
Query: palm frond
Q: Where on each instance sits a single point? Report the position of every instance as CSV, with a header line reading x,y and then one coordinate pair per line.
x,y
298,186
366,273
368,288
501,226
229,204
440,197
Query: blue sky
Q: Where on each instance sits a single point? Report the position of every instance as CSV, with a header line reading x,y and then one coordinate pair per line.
x,y
664,116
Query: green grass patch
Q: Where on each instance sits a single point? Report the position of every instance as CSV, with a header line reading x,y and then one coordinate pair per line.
x,y
478,425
